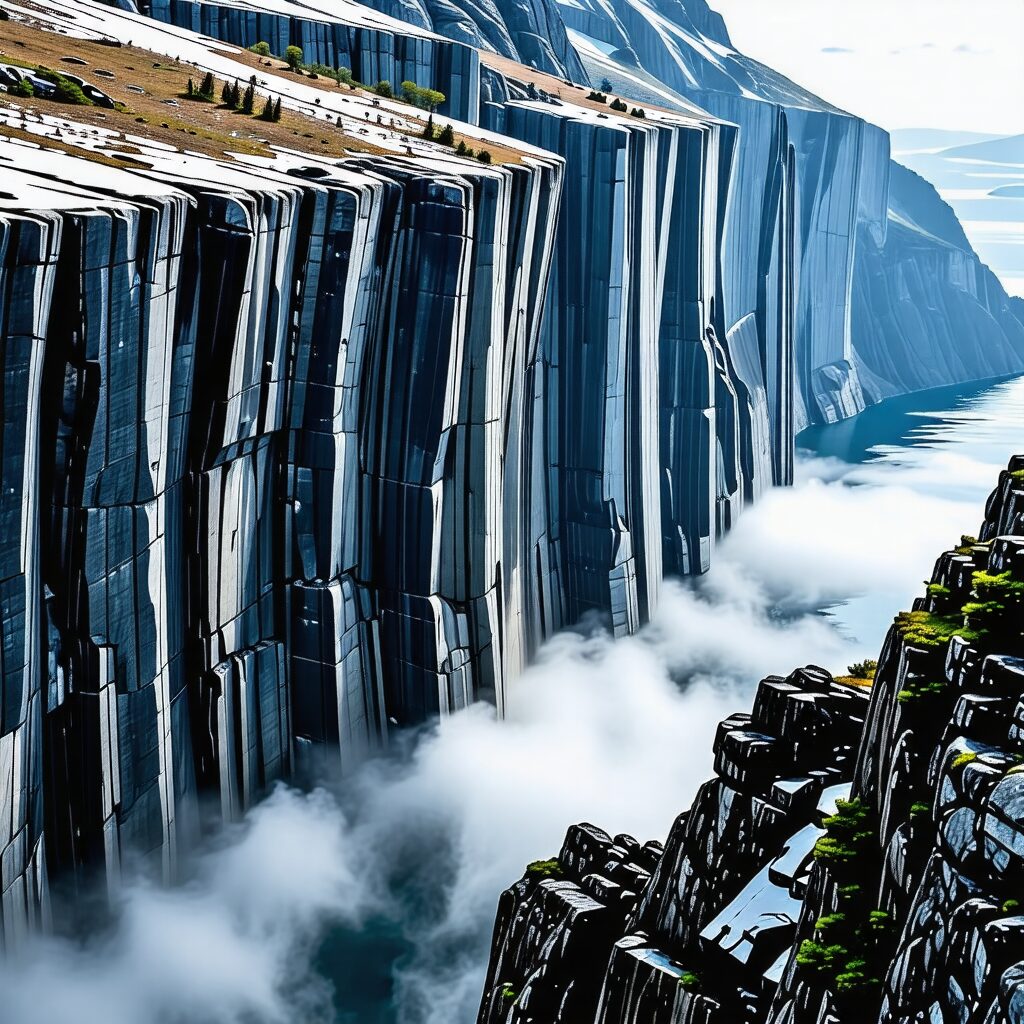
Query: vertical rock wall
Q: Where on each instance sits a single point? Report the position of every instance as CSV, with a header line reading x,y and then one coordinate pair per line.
x,y
259,425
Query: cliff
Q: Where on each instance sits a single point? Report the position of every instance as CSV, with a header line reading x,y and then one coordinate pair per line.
x,y
317,427
857,858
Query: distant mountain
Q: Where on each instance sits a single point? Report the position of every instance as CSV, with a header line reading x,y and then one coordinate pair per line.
x,y
1006,150
916,140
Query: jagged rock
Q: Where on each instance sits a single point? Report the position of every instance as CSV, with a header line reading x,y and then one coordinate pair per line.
x,y
881,886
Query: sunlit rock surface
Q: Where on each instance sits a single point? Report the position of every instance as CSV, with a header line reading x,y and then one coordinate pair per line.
x,y
858,857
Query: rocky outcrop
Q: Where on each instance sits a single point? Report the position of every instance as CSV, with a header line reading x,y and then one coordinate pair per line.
x,y
857,858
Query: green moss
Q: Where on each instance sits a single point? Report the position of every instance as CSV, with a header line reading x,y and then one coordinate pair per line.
x,y
963,759
920,691
545,869
928,630
830,921
1009,906
847,833
689,981
920,810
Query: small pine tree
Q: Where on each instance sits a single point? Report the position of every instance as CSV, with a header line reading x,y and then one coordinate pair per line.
x,y
206,89
249,99
277,109
484,156
267,113
236,96
462,149
447,136
226,94
191,89
428,131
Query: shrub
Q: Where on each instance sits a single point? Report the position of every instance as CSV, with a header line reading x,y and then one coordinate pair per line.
x,y
508,993
383,88
447,136
638,112
426,99
23,88
618,105
261,49
597,97
1010,905
863,669
484,156
847,833
606,85
689,981
545,868
66,91
293,57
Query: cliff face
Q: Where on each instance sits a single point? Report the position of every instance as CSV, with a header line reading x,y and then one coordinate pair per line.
x,y
857,858
300,448
823,269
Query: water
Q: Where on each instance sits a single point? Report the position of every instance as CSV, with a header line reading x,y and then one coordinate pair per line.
x,y
945,446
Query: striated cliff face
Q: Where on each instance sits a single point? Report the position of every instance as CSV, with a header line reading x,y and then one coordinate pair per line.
x,y
322,433
857,858
824,265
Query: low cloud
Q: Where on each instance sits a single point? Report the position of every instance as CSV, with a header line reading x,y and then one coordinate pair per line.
x,y
420,844
837,49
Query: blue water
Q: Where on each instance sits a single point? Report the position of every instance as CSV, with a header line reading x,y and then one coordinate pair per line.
x,y
945,444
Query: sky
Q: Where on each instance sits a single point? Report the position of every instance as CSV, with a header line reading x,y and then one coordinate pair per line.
x,y
953,64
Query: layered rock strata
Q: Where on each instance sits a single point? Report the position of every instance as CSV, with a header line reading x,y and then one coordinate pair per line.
x,y
205,363
857,858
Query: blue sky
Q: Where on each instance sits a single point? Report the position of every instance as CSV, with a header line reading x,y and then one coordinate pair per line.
x,y
954,64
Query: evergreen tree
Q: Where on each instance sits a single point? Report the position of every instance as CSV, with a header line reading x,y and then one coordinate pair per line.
x,y
191,90
447,136
277,109
267,113
226,94
206,89
249,99
236,95
428,131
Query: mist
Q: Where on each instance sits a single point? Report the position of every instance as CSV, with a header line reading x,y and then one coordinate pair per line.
x,y
417,846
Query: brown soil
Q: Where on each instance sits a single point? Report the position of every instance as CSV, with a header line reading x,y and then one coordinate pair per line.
x,y
208,128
